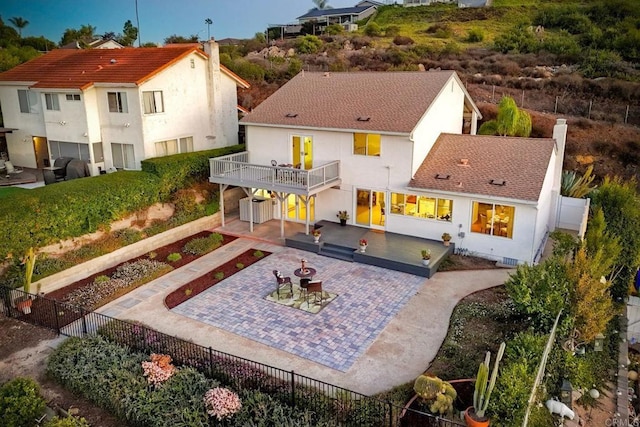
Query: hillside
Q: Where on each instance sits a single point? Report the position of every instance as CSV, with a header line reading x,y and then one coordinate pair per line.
x,y
578,59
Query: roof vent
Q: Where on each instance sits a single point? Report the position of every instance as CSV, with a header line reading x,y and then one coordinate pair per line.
x,y
327,74
442,176
464,162
292,115
364,118
499,182
113,60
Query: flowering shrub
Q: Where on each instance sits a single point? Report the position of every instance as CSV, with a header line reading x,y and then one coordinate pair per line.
x,y
159,369
221,403
316,233
363,242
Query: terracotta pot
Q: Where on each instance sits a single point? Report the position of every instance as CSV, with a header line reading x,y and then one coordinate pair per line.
x,y
446,242
24,305
472,421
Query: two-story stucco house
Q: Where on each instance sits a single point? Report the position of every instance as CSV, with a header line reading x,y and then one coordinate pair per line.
x,y
116,107
398,152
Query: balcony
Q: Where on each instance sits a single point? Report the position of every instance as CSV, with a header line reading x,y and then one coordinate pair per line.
x,y
234,169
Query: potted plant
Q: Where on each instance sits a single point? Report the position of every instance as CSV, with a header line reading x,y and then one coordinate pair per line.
x,y
474,416
446,238
363,244
426,256
24,302
438,394
343,216
316,235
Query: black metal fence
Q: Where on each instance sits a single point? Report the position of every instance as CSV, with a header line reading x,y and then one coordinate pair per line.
x,y
330,402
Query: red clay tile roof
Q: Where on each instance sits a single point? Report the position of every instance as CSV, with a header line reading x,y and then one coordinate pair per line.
x,y
80,69
521,162
394,102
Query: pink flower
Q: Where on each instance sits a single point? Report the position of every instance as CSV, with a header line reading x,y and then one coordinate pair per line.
x,y
159,369
222,403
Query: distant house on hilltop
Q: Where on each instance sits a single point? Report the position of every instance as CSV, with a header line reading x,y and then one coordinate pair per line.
x,y
341,16
461,3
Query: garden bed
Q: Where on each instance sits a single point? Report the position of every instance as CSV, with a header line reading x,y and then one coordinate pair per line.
x,y
208,280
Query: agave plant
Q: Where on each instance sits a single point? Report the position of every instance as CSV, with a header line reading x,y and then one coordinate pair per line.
x,y
577,186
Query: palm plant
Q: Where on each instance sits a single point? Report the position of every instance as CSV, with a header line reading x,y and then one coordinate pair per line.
x,y
19,23
321,4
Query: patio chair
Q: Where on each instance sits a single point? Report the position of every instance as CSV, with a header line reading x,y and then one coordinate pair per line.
x,y
11,169
315,287
282,282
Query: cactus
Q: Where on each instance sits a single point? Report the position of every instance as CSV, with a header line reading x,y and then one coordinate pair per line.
x,y
440,394
484,385
29,262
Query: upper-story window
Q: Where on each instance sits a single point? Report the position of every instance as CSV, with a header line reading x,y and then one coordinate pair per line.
x,y
117,102
153,102
28,101
51,101
366,144
73,97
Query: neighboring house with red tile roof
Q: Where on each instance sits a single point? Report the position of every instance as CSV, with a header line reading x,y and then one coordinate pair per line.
x,y
116,107
388,147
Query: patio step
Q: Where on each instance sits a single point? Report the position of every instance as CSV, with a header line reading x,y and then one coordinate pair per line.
x,y
335,251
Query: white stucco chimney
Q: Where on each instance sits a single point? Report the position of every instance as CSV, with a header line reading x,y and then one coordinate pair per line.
x,y
215,92
560,137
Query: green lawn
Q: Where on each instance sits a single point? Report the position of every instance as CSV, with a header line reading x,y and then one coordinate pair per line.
x,y
8,191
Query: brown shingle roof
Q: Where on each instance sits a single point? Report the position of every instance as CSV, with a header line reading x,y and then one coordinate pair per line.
x,y
520,162
394,102
80,69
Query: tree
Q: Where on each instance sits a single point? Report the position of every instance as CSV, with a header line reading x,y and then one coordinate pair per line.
x,y
511,121
19,23
8,36
84,35
174,38
129,34
321,5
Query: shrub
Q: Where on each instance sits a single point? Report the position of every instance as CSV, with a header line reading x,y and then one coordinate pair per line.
x,y
373,30
174,257
20,403
258,254
239,266
69,421
203,245
308,44
392,31
402,40
101,279
222,403
334,29
219,275
475,35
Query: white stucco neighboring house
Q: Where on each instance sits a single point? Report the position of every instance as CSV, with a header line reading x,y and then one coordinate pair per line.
x,y
398,152
116,107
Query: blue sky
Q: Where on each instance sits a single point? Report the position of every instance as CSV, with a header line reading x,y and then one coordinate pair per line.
x,y
158,18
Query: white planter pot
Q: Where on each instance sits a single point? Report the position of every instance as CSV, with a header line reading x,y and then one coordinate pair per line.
x,y
426,262
316,239
363,248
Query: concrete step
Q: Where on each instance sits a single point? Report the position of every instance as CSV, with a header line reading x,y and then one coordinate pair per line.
x,y
338,252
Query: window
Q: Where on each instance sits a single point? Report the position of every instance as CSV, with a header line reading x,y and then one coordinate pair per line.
x,y
28,101
174,146
492,219
98,155
366,144
73,97
117,102
122,155
152,102
51,101
421,206
69,149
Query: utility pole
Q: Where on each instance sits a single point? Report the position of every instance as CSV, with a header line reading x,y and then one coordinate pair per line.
x,y
208,21
138,24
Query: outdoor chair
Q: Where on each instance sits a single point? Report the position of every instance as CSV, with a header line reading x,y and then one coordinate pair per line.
x,y
11,169
315,287
282,282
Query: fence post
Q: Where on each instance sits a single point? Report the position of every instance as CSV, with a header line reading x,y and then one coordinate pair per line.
x,y
55,315
293,389
84,322
390,414
210,362
589,114
555,109
626,115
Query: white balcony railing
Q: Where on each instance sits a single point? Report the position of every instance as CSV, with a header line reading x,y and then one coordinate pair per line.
x,y
234,169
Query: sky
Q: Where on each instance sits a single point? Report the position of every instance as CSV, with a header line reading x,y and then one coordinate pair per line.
x,y
158,18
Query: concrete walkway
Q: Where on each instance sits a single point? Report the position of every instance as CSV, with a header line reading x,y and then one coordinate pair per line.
x,y
401,347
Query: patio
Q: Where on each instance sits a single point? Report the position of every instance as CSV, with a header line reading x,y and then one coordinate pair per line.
x,y
396,327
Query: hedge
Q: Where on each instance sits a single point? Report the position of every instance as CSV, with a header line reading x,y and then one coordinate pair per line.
x,y
180,170
46,215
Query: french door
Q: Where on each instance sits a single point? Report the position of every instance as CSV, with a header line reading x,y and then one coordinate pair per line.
x,y
370,208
